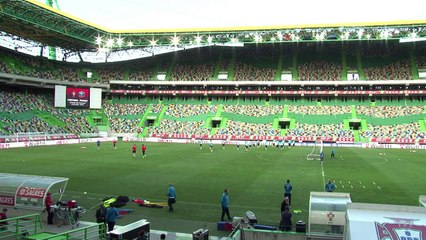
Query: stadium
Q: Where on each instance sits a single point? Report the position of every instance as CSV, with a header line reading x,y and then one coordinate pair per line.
x,y
241,108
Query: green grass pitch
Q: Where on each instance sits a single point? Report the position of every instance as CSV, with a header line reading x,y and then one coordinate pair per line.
x,y
254,178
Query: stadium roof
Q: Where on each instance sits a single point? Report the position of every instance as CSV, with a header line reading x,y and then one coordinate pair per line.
x,y
32,20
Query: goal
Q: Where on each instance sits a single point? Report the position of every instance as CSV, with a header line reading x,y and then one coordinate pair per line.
x,y
316,150
31,137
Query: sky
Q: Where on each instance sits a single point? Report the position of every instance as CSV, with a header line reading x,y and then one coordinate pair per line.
x,y
185,14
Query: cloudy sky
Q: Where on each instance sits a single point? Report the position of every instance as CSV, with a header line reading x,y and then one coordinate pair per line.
x,y
178,14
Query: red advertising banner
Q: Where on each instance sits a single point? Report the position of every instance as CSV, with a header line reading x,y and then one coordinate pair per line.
x,y
7,200
345,140
422,141
404,141
254,138
269,93
396,140
31,192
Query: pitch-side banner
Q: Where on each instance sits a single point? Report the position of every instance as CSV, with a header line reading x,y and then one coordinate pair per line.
x,y
6,200
78,97
270,93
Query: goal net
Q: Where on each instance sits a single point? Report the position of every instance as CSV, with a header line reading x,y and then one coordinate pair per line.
x,y
316,150
31,137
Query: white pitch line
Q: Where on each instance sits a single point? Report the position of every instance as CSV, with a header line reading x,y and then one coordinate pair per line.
x,y
374,183
343,186
323,175
352,186
378,187
360,182
363,187
95,206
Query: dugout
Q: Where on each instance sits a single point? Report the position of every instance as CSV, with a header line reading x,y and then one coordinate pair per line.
x,y
381,221
29,191
327,214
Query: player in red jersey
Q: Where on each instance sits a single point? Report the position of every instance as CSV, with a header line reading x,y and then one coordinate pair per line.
x,y
143,150
134,150
114,143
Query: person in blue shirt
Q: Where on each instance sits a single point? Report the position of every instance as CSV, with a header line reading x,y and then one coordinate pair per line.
x,y
111,217
287,190
225,205
171,194
98,144
322,156
329,187
332,153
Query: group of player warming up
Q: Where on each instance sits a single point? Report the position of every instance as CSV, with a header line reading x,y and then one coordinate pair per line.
x,y
134,148
143,148
249,144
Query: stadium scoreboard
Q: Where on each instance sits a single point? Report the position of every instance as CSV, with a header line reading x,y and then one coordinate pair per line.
x,y
78,97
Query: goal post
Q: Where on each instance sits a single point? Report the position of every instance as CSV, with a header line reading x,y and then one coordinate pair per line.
x,y
315,153
31,136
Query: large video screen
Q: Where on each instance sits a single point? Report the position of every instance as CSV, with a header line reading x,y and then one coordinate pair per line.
x,y
77,97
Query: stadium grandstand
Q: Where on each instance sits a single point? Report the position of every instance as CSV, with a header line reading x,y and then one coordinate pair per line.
x,y
337,85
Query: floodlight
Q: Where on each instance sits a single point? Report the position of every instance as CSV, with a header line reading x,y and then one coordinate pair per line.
x,y
119,41
130,44
153,42
234,40
360,33
198,40
345,36
413,35
368,36
209,39
98,40
272,39
110,42
175,40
